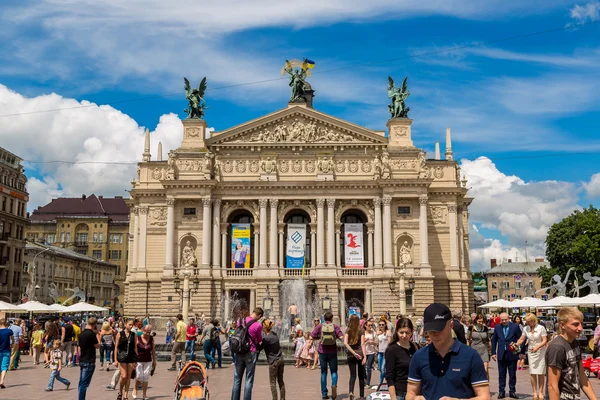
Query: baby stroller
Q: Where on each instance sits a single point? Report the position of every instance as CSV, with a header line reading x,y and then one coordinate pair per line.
x,y
192,383
382,393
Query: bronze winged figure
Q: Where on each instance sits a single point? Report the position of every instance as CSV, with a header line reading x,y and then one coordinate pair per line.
x,y
398,108
195,98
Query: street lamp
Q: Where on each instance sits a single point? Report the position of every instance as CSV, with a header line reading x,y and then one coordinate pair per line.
x,y
268,302
326,301
186,291
392,284
411,284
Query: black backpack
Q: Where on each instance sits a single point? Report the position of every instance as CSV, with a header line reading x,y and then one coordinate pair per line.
x,y
214,335
239,343
69,333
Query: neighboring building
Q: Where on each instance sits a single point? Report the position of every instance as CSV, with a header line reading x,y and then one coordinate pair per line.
x,y
407,248
94,226
60,273
514,280
13,220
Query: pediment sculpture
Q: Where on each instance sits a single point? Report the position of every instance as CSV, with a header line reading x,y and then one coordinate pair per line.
x,y
297,132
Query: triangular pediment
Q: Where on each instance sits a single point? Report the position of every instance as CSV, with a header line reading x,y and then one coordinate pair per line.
x,y
297,125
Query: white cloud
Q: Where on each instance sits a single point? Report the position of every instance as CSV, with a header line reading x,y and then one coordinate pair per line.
x,y
593,187
92,134
587,12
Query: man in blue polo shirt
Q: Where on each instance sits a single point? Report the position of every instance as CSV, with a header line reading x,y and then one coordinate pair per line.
x,y
446,369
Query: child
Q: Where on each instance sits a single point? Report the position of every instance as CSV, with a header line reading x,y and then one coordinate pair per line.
x,y
307,350
299,341
36,343
56,366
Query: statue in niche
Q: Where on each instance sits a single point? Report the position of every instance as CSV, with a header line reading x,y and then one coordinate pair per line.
x,y
385,165
560,287
188,256
171,166
405,254
591,282
377,167
208,163
268,166
325,165
218,170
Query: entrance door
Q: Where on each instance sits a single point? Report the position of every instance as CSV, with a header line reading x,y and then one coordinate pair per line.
x,y
239,303
355,301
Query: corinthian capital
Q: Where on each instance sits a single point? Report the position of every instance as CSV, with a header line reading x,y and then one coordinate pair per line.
x,y
263,203
330,203
423,199
170,201
377,202
217,202
320,203
274,202
452,208
143,210
387,200
206,201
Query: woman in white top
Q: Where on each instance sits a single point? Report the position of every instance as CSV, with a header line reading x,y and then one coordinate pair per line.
x,y
371,343
536,337
384,336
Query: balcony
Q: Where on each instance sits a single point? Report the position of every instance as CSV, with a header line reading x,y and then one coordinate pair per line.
x,y
360,272
240,272
296,272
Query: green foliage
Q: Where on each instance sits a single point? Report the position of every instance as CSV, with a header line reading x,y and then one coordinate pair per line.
x,y
478,275
574,243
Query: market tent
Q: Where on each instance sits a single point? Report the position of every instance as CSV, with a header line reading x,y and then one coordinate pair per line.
x,y
83,307
528,302
35,307
57,307
498,304
556,302
8,307
589,300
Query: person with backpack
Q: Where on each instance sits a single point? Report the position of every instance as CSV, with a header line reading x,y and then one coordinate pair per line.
x,y
328,333
245,343
67,335
209,338
216,341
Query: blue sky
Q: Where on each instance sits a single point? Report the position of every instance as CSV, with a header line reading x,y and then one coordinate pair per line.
x,y
513,102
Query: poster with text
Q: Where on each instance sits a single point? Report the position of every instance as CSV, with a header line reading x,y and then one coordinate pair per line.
x,y
353,246
240,245
296,243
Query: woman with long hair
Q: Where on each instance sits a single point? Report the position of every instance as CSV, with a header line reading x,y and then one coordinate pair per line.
x,y
384,337
50,336
146,362
536,337
107,344
371,343
354,341
397,358
270,344
479,339
126,356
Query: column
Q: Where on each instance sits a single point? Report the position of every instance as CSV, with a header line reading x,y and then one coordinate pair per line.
x,y
226,308
402,294
252,304
424,235
273,234
170,236
256,244
142,249
216,232
453,238
370,248
338,254
461,256
281,247
330,233
186,295
342,306
320,233
313,246
263,233
387,232
368,307
206,234
377,237
136,238
224,261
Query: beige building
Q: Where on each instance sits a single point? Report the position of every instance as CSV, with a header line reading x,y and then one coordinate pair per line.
x,y
90,225
407,248
13,219
55,274
514,280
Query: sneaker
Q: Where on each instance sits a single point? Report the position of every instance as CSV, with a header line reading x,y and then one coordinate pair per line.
x,y
374,387
68,386
172,369
333,392
367,386
111,387
48,390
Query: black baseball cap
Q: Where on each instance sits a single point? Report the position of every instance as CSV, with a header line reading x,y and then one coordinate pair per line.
x,y
435,317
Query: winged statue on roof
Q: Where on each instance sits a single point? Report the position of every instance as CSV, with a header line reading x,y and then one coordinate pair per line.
x,y
195,98
398,108
297,71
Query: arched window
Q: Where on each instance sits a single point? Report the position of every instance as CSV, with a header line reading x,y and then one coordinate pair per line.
x,y
353,217
240,217
298,217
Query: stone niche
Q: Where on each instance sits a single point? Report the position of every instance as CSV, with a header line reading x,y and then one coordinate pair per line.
x,y
188,246
405,246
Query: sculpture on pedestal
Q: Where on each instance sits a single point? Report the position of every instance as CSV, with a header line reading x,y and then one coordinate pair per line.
x,y
398,108
560,287
297,71
195,98
405,254
188,256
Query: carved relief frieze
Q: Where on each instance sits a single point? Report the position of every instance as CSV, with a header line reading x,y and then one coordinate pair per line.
x,y
400,131
297,166
193,132
353,166
254,165
438,214
340,166
240,166
310,166
228,166
189,165
158,216
438,172
403,164
366,166
284,166
158,173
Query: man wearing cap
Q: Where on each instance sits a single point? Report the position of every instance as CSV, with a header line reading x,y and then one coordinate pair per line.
x,y
447,369
505,334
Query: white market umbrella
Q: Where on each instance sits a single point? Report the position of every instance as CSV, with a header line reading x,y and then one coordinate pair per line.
x,y
84,307
556,302
35,307
57,307
589,300
8,307
528,302
501,303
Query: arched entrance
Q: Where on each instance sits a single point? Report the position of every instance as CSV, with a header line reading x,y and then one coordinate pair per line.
x,y
354,217
240,239
298,217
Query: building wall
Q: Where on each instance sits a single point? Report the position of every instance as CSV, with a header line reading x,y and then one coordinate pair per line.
x,y
495,289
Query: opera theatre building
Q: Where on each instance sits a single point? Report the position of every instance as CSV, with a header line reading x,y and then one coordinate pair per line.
x,y
359,219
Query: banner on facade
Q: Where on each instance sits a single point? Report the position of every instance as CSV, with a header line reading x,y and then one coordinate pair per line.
x,y
296,243
353,246
240,245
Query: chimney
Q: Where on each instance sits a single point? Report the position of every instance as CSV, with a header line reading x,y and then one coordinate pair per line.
x,y
101,197
493,263
437,150
509,260
539,259
83,196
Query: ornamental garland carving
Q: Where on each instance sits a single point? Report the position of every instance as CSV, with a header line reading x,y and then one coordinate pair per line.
x,y
340,166
158,216
366,166
438,214
240,166
157,173
193,132
310,166
438,172
253,166
297,166
353,166
284,166
400,131
298,132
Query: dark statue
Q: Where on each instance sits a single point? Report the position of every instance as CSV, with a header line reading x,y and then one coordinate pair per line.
x,y
398,108
297,72
195,99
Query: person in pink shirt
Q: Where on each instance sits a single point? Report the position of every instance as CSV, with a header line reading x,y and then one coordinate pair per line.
x,y
247,362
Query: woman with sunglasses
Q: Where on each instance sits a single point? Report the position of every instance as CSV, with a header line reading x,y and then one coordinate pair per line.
x,y
371,343
384,337
397,358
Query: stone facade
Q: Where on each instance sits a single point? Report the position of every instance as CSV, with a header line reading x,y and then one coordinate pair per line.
x,y
298,165
515,280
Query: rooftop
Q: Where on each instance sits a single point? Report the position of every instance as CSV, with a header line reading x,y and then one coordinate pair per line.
x,y
529,267
93,206
8,158
64,253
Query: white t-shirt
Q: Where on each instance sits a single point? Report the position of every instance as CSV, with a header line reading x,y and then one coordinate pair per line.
x,y
370,348
383,342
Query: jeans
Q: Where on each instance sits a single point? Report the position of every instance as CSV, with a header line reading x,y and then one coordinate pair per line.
x,y
330,359
55,374
369,367
244,362
190,346
106,352
217,349
400,396
208,346
381,363
87,370
355,365
276,378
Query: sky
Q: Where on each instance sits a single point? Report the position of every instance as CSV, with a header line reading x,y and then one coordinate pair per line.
x,y
517,82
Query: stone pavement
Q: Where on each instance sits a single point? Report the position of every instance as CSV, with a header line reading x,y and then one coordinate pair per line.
x,y
30,380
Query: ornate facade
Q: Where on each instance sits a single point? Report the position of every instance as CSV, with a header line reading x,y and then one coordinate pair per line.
x,y
298,165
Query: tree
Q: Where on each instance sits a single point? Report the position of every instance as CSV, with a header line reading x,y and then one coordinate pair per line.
x,y
574,243
478,275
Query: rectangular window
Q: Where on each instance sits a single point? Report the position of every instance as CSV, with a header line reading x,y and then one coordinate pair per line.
x,y
494,297
531,284
82,238
517,285
494,284
100,238
68,237
10,206
404,210
189,211
95,237
116,238
62,237
97,253
3,203
409,298
115,254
